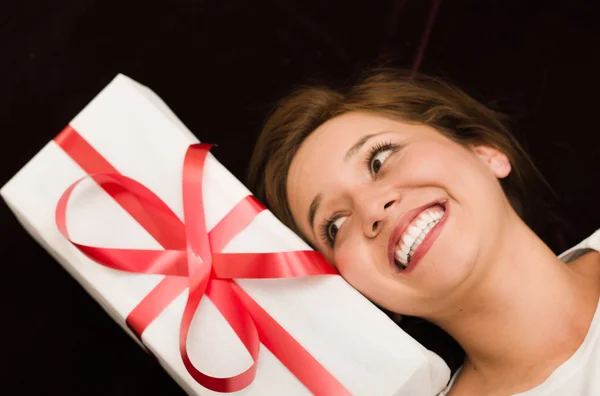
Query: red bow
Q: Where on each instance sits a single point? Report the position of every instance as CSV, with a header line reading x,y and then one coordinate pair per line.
x,y
191,259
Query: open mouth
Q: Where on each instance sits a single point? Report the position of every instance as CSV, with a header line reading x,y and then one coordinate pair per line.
x,y
409,242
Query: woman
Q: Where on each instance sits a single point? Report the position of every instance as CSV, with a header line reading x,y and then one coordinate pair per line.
x,y
418,195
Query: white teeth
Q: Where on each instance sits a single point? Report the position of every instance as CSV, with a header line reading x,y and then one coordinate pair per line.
x,y
414,231
421,223
408,239
415,234
416,245
426,217
402,257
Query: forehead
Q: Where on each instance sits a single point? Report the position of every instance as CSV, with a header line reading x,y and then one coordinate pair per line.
x,y
337,135
348,127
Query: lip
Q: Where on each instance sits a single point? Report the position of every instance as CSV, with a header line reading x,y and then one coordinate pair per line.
x,y
401,226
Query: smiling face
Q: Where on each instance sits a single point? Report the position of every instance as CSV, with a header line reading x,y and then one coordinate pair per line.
x,y
374,194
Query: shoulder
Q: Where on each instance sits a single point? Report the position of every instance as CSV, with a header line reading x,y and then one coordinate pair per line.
x,y
584,257
588,264
466,382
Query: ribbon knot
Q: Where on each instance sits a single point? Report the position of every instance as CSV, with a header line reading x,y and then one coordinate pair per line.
x,y
192,259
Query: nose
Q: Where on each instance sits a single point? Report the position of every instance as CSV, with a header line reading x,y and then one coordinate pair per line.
x,y
375,213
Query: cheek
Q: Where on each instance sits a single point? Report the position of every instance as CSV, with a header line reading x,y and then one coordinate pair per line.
x,y
448,166
426,164
355,263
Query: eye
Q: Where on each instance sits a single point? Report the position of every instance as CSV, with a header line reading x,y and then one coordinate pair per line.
x,y
335,226
379,159
378,155
330,228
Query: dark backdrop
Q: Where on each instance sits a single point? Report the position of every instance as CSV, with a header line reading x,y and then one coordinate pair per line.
x,y
220,65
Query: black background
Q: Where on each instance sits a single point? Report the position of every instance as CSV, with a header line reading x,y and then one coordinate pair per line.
x,y
220,65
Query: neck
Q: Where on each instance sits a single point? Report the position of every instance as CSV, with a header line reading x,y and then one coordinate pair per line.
x,y
526,308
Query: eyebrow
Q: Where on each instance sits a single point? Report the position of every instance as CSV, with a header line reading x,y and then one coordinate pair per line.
x,y
359,143
314,205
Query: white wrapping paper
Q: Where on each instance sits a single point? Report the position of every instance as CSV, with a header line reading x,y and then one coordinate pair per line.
x,y
138,134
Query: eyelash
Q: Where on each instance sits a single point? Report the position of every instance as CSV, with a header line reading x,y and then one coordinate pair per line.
x,y
376,150
371,155
324,230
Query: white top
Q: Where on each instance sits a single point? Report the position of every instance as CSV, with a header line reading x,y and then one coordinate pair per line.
x,y
580,374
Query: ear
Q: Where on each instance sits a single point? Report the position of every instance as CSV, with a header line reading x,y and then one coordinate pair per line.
x,y
495,159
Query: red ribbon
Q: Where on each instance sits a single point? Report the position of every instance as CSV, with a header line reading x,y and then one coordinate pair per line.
x,y
191,258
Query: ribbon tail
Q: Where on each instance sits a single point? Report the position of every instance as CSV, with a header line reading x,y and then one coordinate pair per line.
x,y
270,265
289,352
154,303
234,222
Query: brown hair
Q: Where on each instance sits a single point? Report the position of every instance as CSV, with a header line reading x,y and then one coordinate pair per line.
x,y
399,95
404,96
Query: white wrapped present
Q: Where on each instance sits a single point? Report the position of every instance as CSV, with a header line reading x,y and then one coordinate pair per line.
x,y
138,135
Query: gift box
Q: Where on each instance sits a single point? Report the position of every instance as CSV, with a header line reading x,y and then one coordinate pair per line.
x,y
312,332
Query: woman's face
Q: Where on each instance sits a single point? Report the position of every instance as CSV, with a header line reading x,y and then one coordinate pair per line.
x,y
408,216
